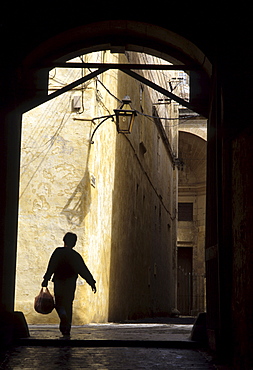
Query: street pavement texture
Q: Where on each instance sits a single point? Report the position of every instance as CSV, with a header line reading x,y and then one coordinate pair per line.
x,y
66,357
105,346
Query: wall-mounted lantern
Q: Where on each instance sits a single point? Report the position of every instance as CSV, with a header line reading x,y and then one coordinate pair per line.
x,y
125,116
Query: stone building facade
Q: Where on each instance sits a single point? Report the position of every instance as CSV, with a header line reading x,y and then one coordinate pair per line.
x,y
219,50
191,215
118,194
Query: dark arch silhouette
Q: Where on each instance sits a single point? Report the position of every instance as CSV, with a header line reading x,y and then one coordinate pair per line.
x,y
119,35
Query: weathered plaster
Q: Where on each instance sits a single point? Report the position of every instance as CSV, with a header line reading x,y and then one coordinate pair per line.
x,y
125,219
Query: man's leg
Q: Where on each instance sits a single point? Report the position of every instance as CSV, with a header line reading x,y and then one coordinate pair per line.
x,y
59,306
64,291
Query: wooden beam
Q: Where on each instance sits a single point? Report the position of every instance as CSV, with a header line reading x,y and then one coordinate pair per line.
x,y
126,68
164,91
180,67
38,101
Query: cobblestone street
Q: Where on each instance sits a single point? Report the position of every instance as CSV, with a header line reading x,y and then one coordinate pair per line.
x,y
156,348
104,358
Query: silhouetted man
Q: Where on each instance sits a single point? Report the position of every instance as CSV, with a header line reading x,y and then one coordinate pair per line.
x,y
66,264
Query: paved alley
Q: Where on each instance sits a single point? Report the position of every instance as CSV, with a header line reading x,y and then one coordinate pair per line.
x,y
108,346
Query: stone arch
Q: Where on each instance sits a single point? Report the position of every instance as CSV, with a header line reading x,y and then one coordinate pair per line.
x,y
192,151
113,35
119,35
200,132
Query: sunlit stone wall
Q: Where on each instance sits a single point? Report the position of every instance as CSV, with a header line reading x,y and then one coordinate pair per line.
x,y
118,195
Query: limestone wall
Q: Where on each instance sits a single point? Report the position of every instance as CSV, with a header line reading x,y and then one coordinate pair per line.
x,y
117,195
143,238
192,189
66,186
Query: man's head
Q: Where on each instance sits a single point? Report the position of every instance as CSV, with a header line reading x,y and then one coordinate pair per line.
x,y
70,240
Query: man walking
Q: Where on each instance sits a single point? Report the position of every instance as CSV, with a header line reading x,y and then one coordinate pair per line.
x,y
66,264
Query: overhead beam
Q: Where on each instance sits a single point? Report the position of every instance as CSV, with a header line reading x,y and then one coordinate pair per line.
x,y
164,91
172,67
124,68
38,101
76,83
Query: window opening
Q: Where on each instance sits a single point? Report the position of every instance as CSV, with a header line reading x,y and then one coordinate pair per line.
x,y
185,211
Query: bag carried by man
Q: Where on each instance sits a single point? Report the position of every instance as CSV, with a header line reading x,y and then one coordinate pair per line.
x,y
44,302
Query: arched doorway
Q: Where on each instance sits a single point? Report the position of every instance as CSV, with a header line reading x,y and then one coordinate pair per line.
x,y
118,36
115,36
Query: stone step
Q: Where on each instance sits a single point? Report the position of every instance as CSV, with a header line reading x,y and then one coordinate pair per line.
x,y
62,342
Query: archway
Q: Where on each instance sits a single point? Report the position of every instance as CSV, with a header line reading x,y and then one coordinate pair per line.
x,y
116,36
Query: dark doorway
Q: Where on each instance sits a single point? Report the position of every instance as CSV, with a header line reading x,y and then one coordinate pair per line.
x,y
184,280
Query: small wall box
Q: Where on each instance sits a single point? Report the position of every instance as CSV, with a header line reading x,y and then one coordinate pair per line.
x,y
76,103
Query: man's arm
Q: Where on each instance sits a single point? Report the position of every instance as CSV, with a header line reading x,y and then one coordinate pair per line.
x,y
50,269
84,272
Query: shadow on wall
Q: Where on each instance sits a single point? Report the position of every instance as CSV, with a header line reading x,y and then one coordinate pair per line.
x,y
78,205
